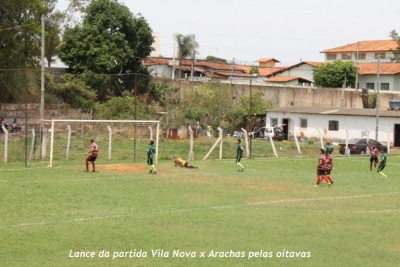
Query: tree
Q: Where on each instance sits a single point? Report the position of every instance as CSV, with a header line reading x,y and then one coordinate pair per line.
x,y
20,33
335,74
395,37
212,58
111,40
254,70
53,22
187,48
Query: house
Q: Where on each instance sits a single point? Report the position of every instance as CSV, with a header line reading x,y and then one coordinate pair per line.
x,y
289,80
304,71
389,76
202,69
372,58
336,124
266,68
363,51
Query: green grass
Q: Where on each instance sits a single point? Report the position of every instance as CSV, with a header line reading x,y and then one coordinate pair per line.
x,y
271,208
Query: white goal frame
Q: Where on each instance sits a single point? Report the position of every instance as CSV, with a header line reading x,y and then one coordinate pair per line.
x,y
53,121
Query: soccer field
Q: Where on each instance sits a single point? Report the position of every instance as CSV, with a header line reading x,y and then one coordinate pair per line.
x,y
268,215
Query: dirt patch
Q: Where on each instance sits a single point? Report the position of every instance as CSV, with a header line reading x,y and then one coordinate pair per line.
x,y
122,168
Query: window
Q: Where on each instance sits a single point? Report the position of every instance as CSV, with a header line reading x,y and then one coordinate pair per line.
x,y
274,121
330,56
385,86
370,85
396,55
360,56
380,55
346,56
303,123
333,126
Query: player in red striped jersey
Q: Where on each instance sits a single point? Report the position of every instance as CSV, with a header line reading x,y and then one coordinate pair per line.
x,y
94,152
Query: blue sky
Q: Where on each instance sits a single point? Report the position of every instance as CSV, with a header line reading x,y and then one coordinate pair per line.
x,y
289,31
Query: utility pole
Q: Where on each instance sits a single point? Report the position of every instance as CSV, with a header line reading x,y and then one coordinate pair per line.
x,y
173,58
377,98
357,54
342,97
251,113
42,91
233,63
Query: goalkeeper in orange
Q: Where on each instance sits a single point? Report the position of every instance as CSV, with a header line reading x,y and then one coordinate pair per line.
x,y
183,163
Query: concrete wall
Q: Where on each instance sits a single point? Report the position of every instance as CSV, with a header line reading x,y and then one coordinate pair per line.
x,y
28,115
282,96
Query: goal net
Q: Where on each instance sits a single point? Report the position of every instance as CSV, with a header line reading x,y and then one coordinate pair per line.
x,y
119,141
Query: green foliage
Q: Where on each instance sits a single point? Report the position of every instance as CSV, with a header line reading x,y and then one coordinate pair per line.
x,y
210,104
217,59
163,94
72,90
255,104
368,99
187,48
120,108
110,41
20,37
52,24
210,100
254,70
395,36
333,75
20,86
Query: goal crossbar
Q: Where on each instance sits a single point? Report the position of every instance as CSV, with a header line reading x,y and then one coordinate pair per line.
x,y
53,121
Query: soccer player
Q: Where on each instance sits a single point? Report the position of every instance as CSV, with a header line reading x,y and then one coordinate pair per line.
x,y
329,148
239,154
182,163
373,152
94,152
321,168
150,152
329,167
382,164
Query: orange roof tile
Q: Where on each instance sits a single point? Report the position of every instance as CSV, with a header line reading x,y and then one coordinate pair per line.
x,y
267,59
265,72
282,79
311,63
384,68
314,63
364,46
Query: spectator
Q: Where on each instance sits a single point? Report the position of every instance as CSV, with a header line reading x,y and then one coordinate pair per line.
x,y
198,128
15,128
3,123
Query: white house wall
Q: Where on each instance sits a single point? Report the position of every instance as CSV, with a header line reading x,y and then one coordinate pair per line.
x,y
364,79
162,71
304,71
369,57
357,126
396,83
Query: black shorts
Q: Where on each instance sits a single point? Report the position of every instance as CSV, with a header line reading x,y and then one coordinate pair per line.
x,y
150,161
328,171
238,158
373,159
91,158
321,172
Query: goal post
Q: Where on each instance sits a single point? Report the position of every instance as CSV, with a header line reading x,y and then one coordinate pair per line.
x,y
118,140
